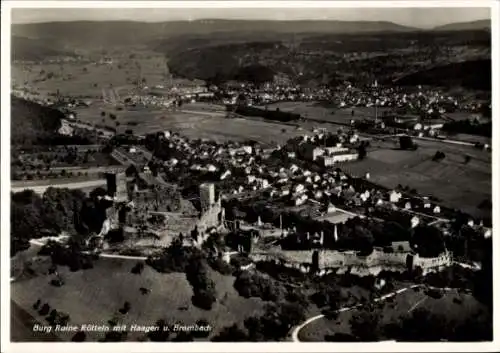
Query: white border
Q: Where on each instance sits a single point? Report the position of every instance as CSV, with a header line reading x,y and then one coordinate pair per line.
x,y
248,4
227,347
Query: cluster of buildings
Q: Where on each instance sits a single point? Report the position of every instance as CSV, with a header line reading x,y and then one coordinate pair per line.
x,y
271,93
150,101
246,171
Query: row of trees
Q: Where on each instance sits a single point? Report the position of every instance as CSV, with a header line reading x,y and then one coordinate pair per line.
x,y
469,127
267,114
53,317
70,255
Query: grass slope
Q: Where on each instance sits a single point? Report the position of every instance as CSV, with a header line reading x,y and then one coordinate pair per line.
x,y
95,295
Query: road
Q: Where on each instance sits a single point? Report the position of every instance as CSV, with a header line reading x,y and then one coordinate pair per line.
x,y
453,142
103,255
207,113
296,330
40,189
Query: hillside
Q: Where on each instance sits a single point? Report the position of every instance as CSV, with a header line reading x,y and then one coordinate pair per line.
x,y
94,34
31,123
23,48
358,57
474,74
466,26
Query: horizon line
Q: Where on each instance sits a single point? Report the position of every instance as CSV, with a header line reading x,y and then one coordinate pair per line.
x,y
246,20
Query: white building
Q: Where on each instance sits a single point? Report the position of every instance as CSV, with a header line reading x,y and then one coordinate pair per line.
x,y
339,158
394,196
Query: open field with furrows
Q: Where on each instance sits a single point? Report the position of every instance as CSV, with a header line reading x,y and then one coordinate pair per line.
x,y
89,78
94,296
194,125
458,184
401,305
317,111
88,84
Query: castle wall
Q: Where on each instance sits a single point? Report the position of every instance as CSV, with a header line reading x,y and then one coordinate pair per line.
x,y
342,262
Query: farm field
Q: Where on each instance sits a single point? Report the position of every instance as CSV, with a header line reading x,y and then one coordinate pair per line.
x,y
314,110
89,78
94,296
402,305
458,185
194,125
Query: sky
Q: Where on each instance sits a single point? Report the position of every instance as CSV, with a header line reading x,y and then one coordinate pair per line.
x,y
413,17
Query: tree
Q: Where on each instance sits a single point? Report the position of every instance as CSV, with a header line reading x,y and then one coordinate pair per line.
x,y
80,336
231,334
37,304
362,151
365,326
422,325
255,285
298,297
52,317
276,322
138,268
439,156
44,310
125,309
406,143
160,335
204,299
202,333
428,241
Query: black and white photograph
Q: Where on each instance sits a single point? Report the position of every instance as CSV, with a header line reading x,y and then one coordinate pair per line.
x,y
208,174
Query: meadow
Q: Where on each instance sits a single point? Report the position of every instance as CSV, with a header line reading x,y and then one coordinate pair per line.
x,y
192,124
458,184
321,112
94,296
89,77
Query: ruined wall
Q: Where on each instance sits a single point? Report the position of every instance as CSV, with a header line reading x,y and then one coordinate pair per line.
x,y
209,218
342,262
433,263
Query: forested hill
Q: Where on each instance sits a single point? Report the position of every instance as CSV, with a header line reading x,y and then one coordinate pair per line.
x,y
466,26
23,48
32,122
474,74
86,33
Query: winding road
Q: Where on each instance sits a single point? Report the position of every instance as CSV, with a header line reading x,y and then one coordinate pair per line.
x,y
296,330
103,255
40,189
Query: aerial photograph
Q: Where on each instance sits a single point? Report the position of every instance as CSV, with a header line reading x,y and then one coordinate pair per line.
x,y
251,175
